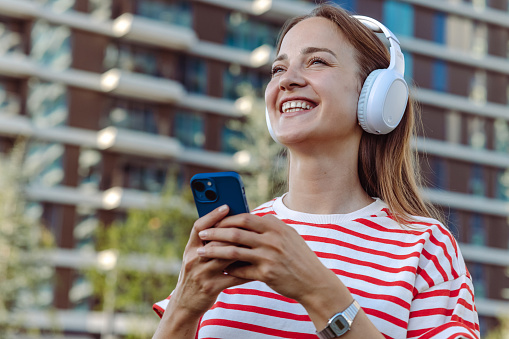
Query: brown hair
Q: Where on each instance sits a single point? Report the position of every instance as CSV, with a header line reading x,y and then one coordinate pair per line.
x,y
387,165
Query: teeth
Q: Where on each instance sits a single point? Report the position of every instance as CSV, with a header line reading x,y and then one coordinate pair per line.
x,y
294,106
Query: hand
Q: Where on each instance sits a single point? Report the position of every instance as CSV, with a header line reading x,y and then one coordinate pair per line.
x,y
201,280
278,254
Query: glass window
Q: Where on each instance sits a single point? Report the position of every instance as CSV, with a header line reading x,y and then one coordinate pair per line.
x,y
409,67
10,41
146,177
230,140
399,17
477,186
501,135
439,25
194,76
132,115
131,58
189,129
477,231
47,103
51,45
242,32
9,101
177,12
89,169
477,132
440,76
502,188
237,83
44,163
479,279
438,173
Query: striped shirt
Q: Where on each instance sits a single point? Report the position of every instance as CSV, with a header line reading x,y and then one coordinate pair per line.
x,y
411,281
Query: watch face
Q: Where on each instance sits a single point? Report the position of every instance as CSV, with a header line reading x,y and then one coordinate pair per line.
x,y
339,325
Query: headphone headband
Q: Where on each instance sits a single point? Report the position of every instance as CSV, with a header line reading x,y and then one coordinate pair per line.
x,y
397,58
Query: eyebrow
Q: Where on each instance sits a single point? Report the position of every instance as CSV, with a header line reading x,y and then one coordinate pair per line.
x,y
307,50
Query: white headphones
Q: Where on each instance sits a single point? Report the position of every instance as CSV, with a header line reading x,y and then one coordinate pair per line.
x,y
384,95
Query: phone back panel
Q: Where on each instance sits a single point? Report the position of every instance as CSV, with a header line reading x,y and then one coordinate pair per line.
x,y
211,190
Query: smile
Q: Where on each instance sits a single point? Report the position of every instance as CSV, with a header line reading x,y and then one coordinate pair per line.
x,y
295,106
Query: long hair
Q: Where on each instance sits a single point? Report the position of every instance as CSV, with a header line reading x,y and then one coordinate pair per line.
x,y
387,165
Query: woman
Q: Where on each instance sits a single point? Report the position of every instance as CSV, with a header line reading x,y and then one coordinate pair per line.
x,y
351,250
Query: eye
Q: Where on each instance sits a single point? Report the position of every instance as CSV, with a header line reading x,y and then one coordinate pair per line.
x,y
276,69
317,60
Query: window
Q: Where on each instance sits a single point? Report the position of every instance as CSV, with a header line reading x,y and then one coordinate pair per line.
x,y
439,25
89,169
502,188
194,76
132,115
47,103
131,58
399,17
242,32
237,83
477,231
230,140
51,45
409,67
177,12
440,76
477,185
44,163
479,279
189,129
438,173
10,41
145,177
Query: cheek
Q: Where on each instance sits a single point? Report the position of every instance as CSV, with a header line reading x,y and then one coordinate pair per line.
x,y
271,94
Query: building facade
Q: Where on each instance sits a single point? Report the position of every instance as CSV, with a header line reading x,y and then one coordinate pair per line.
x,y
111,93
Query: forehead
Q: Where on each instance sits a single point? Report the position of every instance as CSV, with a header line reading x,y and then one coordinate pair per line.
x,y
314,32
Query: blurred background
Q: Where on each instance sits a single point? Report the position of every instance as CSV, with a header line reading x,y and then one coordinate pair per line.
x,y
108,107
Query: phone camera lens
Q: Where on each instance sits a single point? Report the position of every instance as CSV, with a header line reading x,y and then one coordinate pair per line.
x,y
199,186
211,195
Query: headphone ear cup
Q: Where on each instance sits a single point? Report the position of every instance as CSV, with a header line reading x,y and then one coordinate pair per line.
x,y
382,101
269,126
362,105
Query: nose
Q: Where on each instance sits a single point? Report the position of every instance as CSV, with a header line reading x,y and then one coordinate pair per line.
x,y
291,79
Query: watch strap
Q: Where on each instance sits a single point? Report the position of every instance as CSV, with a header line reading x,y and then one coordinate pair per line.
x,y
348,314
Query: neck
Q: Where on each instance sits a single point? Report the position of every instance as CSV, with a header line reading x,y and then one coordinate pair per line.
x,y
326,183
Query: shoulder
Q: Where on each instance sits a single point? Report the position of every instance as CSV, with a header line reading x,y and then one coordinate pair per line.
x,y
265,208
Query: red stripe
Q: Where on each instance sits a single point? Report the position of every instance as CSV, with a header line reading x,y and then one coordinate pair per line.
x,y
431,311
387,317
435,262
372,280
262,310
256,329
246,291
378,227
356,234
446,253
426,277
365,263
437,330
390,298
360,249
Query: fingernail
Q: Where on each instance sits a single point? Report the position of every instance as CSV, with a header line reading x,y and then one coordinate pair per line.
x,y
223,208
203,234
200,251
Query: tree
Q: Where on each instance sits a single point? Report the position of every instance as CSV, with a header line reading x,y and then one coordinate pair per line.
x,y
265,160
21,238
155,234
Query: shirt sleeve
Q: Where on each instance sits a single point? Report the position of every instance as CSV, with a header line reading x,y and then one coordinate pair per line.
x,y
446,310
160,306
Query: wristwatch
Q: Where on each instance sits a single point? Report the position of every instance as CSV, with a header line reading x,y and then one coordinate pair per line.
x,y
340,323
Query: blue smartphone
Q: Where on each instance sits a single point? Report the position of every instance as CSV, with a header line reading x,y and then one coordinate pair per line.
x,y
211,190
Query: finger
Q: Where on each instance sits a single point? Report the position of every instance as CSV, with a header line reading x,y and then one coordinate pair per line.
x,y
228,253
231,235
246,221
207,221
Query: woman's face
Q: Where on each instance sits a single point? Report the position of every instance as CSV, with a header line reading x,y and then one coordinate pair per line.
x,y
312,96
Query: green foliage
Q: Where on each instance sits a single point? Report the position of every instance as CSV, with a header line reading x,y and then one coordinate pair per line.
x,y
265,176
501,332
158,233
20,240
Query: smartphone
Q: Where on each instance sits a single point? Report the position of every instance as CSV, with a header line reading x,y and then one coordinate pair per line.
x,y
211,190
